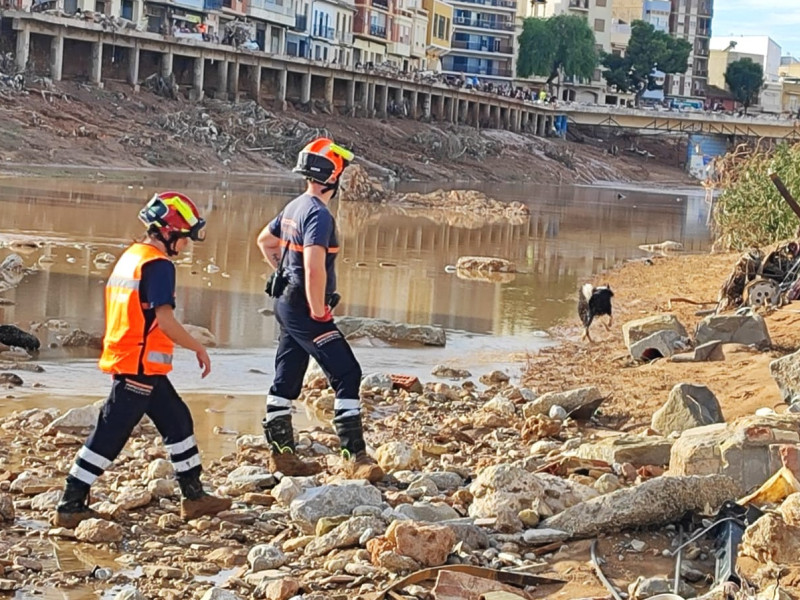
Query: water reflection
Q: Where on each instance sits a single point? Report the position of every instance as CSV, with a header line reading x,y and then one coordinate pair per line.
x,y
392,262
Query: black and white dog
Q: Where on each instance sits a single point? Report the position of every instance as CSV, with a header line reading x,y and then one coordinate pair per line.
x,y
593,302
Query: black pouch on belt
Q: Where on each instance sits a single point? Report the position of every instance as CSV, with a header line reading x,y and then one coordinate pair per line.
x,y
276,282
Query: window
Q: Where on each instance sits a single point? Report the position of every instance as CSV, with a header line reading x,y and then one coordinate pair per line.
x,y
601,2
600,25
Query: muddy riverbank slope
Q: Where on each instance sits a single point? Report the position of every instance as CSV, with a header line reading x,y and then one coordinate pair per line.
x,y
73,124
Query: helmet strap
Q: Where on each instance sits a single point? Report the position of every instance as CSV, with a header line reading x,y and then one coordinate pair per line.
x,y
332,186
169,242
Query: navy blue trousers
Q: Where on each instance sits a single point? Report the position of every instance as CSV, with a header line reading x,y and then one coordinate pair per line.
x,y
132,397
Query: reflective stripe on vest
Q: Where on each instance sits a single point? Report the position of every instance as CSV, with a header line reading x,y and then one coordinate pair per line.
x,y
127,348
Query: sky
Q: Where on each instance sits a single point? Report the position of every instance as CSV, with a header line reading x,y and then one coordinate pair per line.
x,y
779,19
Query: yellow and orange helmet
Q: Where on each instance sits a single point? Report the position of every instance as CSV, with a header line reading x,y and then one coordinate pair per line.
x,y
173,215
323,161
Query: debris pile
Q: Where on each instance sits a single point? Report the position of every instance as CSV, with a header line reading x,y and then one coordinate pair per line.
x,y
453,145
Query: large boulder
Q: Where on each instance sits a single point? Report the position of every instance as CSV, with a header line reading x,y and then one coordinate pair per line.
x,y
570,400
77,338
331,501
688,406
356,327
506,489
750,330
747,450
429,545
786,373
633,331
398,456
628,448
485,263
76,421
657,501
98,531
772,540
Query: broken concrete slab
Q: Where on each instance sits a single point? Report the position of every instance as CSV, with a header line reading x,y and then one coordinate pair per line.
x,y
657,501
570,400
661,344
747,450
710,351
633,331
452,585
687,406
427,335
786,373
637,450
749,329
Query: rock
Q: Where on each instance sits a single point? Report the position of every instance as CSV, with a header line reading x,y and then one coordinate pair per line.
x,y
13,336
569,401
634,331
607,483
427,335
163,488
428,545
638,545
129,498
688,406
771,540
511,488
326,524
628,448
249,478
202,335
29,483
382,381
790,510
557,412
7,513
421,487
539,427
500,406
159,469
76,421
529,517
786,373
130,594
661,344
539,537
46,500
749,330
704,352
472,536
254,442
656,501
10,379
396,563
170,521
427,512
266,556
645,588
216,593
345,535
746,450
330,501
357,186
446,480
485,263
494,378
282,589
228,557
450,372
162,572
81,339
398,456
98,531
290,488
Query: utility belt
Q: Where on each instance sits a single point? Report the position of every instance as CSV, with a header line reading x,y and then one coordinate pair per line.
x,y
295,295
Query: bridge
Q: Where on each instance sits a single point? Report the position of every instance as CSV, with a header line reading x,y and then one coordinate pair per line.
x,y
755,126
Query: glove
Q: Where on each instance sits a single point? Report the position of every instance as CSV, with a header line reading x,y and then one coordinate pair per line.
x,y
325,318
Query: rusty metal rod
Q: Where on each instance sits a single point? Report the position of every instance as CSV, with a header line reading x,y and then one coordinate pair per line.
x,y
787,195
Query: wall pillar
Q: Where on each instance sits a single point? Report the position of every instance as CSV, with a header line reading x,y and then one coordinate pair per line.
x,y
305,88
197,79
329,85
383,103
222,80
166,63
426,106
23,48
280,94
233,81
133,66
97,64
256,83
370,100
351,96
442,113
414,112
56,56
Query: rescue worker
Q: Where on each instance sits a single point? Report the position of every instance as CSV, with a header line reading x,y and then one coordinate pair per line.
x,y
141,332
301,244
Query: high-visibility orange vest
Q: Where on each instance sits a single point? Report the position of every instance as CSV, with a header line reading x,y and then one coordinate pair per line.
x,y
127,348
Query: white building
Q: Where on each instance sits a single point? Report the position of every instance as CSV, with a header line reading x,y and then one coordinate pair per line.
x,y
331,31
761,46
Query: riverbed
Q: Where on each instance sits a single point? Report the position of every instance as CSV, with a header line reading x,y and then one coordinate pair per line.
x,y
392,265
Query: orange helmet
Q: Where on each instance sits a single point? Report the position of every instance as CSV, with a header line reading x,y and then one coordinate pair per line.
x,y
173,215
323,161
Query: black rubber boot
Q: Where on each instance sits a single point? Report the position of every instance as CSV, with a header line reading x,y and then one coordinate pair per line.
x,y
73,507
283,458
357,463
196,502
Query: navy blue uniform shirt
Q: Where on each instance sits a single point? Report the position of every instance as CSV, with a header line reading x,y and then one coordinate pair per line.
x,y
306,221
156,288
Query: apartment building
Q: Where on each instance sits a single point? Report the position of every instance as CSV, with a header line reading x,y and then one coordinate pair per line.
x,y
371,29
691,20
484,40
330,27
762,50
655,12
439,32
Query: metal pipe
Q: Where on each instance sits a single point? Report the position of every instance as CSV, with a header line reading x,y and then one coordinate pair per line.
x,y
600,574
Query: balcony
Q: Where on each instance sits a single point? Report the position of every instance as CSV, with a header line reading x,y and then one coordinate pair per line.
x,y
213,5
326,33
382,4
345,38
273,12
509,4
484,23
477,46
579,5
377,31
300,23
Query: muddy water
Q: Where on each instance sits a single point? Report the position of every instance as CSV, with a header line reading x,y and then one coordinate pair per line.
x,y
392,265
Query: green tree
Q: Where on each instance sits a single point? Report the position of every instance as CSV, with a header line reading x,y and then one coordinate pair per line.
x,y
745,79
563,44
648,50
